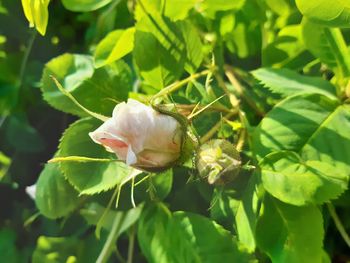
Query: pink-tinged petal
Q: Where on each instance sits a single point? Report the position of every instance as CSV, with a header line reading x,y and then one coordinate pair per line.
x,y
113,143
107,136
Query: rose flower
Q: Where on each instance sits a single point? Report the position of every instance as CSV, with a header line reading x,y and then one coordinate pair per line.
x,y
141,137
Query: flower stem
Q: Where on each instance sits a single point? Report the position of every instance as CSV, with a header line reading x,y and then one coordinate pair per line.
x,y
131,244
216,127
177,85
25,57
240,89
338,224
110,242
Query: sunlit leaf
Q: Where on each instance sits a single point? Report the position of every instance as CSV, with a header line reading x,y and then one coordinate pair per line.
x,y
114,46
295,181
337,14
84,5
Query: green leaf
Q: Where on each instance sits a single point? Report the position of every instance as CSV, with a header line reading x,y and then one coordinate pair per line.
x,y
8,97
93,211
195,238
97,90
84,5
210,7
239,211
320,11
22,136
159,51
287,49
281,7
194,46
290,234
288,82
8,250
297,182
37,14
328,45
312,125
93,177
55,249
54,196
178,9
114,46
156,187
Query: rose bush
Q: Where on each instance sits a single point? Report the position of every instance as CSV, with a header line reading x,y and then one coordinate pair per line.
x,y
141,136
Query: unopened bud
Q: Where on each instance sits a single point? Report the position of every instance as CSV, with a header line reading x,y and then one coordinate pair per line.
x,y
218,161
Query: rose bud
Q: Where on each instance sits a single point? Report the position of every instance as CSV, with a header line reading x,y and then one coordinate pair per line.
x,y
218,161
141,136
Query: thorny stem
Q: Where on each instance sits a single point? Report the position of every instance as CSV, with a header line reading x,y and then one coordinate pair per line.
x,y
232,78
233,99
105,212
216,127
190,107
177,85
109,246
241,140
119,256
131,244
338,224
132,192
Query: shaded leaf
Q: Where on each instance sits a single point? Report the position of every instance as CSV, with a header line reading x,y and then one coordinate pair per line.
x,y
290,234
93,211
195,238
54,196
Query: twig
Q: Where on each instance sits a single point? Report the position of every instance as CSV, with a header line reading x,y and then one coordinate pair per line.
x,y
240,89
338,224
131,244
216,127
110,242
25,57
177,85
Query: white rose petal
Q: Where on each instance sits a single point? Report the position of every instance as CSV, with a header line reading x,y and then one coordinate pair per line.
x,y
31,191
140,136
